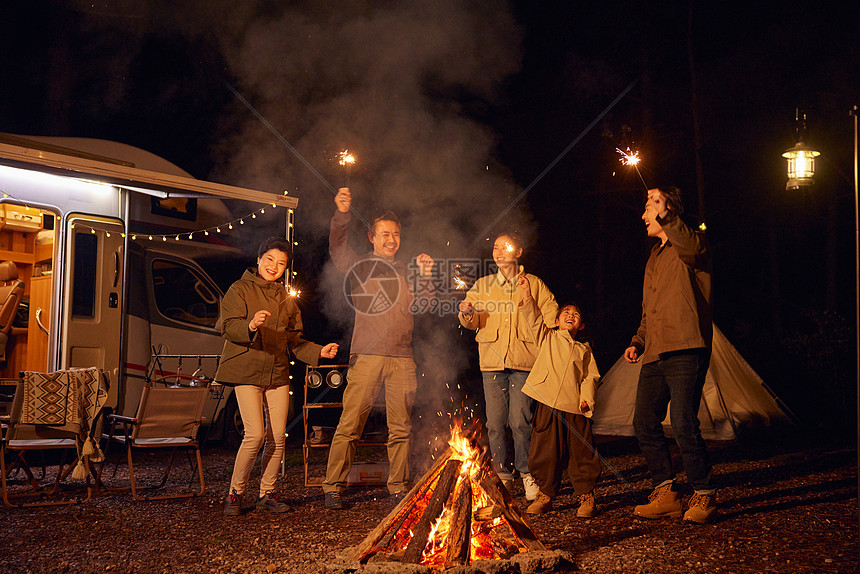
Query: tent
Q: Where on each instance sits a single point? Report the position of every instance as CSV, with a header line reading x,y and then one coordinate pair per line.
x,y
734,398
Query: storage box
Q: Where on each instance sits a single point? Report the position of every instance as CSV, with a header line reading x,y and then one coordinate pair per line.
x,y
368,473
20,218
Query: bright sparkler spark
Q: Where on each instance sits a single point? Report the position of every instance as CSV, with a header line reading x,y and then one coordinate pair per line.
x,y
346,158
632,158
629,157
460,284
293,292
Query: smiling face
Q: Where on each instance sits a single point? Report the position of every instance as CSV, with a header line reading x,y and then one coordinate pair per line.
x,y
385,238
569,319
272,264
652,227
505,251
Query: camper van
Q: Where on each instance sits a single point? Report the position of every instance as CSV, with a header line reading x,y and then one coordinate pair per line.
x,y
103,251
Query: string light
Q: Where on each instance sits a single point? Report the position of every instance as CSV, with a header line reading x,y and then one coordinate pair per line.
x,y
164,237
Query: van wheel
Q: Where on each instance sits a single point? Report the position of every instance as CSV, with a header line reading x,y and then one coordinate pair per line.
x,y
234,428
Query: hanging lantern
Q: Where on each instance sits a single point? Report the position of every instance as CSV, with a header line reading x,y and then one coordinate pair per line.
x,y
801,158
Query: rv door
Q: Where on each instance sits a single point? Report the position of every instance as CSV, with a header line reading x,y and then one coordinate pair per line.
x,y
93,299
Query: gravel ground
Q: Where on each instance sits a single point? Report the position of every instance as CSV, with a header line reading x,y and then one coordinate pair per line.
x,y
788,504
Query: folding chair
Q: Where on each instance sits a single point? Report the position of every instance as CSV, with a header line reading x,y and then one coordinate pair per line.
x,y
167,417
52,412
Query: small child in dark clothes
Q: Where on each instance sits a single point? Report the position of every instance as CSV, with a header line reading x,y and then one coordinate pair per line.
x,y
562,381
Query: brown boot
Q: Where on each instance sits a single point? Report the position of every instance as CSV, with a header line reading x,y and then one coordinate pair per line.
x,y
703,508
586,505
662,503
542,503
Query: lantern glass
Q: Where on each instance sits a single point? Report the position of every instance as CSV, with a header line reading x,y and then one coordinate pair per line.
x,y
801,166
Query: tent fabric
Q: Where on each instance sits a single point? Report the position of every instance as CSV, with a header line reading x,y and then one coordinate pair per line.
x,y
734,397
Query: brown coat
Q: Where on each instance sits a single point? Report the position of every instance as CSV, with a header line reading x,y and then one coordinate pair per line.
x,y
381,295
261,357
676,294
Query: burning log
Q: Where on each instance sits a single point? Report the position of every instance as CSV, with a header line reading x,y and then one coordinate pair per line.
x,y
434,524
460,535
392,524
444,488
492,485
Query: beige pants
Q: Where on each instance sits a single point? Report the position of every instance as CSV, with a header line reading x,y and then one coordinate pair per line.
x,y
264,414
363,381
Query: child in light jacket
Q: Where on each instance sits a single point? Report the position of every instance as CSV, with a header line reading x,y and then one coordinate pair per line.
x,y
563,382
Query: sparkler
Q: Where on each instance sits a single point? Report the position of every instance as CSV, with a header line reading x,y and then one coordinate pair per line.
x,y
632,158
347,160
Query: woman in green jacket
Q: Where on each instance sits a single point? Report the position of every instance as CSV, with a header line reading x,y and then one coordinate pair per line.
x,y
262,326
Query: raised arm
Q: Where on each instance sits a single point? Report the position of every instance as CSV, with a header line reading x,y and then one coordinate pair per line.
x,y
341,253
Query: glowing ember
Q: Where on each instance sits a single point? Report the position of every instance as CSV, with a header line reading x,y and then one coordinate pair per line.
x,y
629,157
345,158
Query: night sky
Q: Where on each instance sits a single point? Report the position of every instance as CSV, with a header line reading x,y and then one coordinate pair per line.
x,y
454,108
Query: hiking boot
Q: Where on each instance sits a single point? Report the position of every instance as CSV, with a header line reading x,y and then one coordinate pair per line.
x,y
333,501
270,503
233,504
531,487
586,505
703,508
396,498
542,503
663,502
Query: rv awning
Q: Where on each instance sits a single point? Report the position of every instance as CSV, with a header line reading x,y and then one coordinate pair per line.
x,y
20,152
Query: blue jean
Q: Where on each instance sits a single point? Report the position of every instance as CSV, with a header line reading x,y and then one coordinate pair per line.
x,y
508,406
677,377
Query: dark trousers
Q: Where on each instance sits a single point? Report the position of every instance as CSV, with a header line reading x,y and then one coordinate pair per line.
x,y
679,378
562,441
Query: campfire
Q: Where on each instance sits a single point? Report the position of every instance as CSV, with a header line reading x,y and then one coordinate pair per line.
x,y
457,513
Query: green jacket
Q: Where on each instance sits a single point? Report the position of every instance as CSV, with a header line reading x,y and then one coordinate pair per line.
x,y
261,357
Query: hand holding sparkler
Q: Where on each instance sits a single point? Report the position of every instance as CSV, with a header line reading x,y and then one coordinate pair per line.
x,y
466,308
657,201
343,199
525,288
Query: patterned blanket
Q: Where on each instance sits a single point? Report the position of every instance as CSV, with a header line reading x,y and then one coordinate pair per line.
x,y
67,400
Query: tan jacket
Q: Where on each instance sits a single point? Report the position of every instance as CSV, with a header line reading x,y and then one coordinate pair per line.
x,y
503,341
565,371
676,294
261,357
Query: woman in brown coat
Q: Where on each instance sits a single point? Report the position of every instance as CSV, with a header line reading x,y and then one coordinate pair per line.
x,y
262,326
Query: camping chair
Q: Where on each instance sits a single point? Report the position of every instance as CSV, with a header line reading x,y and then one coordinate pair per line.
x,y
11,293
57,411
167,417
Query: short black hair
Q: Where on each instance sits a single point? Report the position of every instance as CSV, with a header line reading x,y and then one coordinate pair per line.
x,y
673,199
387,215
274,242
569,304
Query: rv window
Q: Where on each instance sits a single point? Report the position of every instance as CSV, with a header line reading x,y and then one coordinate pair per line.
x,y
83,290
182,294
